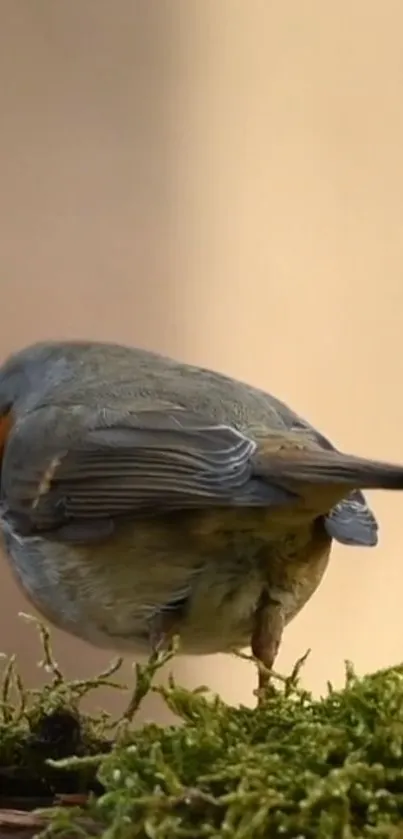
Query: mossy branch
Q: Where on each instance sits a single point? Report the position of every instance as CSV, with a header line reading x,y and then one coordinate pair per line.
x,y
292,766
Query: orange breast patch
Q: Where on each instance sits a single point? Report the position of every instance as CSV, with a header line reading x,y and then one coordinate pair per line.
x,y
6,423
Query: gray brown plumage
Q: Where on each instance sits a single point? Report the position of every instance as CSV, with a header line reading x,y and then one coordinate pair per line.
x,y
141,497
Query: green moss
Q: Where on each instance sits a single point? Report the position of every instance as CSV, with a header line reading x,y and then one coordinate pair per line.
x,y
37,726
292,767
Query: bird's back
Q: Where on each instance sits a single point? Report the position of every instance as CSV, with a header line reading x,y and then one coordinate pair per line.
x,y
103,375
112,375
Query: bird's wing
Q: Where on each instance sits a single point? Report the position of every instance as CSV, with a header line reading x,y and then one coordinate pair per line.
x,y
88,469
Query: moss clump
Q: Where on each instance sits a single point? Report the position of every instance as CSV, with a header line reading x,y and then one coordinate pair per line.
x,y
38,726
293,767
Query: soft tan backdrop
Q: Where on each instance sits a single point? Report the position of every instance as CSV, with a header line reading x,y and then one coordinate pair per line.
x,y
222,181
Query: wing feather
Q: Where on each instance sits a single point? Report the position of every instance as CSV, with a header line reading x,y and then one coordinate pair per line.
x,y
150,461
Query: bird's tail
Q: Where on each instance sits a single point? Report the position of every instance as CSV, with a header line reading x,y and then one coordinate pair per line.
x,y
325,476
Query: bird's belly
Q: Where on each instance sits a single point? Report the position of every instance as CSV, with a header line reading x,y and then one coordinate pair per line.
x,y
93,600
106,594
290,569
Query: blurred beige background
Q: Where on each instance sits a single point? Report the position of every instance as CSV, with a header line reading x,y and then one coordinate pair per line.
x,y
222,181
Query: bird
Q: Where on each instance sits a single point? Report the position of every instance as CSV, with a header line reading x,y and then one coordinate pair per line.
x,y
143,498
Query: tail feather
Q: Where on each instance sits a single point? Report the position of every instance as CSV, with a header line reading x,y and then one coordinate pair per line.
x,y
324,467
325,476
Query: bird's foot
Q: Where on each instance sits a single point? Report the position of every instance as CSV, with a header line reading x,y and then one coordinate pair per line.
x,y
162,630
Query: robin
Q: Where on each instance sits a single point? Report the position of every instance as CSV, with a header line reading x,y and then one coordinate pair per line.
x,y
142,497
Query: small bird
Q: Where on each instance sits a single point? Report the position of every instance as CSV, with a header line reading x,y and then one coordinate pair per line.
x,y
143,498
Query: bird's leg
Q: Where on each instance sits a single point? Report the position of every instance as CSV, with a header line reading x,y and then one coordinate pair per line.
x,y
166,622
266,637
162,629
